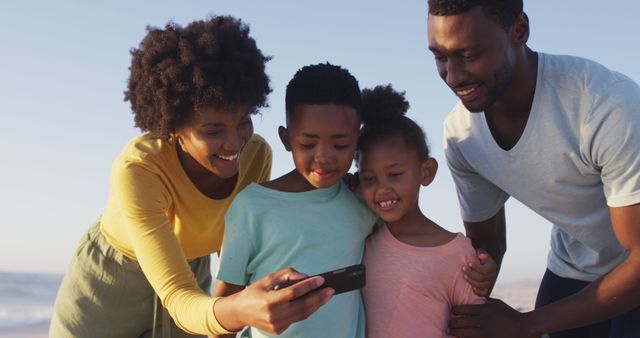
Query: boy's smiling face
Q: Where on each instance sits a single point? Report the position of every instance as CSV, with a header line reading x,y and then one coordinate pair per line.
x,y
323,140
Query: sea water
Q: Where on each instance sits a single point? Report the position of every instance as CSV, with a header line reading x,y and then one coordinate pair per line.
x,y
26,299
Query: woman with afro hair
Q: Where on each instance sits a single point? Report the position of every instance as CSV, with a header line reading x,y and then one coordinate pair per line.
x,y
192,90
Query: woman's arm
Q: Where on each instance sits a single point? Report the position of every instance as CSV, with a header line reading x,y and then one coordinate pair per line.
x,y
223,289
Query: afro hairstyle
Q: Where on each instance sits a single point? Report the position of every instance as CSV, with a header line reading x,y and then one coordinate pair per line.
x,y
177,70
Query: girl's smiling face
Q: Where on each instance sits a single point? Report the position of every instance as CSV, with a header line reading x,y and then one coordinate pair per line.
x,y
391,175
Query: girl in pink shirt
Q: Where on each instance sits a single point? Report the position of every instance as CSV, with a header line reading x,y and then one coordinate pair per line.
x,y
414,273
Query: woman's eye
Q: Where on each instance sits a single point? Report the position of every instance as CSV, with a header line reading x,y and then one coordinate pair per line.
x,y
213,133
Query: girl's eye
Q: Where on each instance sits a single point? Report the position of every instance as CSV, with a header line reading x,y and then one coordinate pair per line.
x,y
366,179
306,146
342,146
395,174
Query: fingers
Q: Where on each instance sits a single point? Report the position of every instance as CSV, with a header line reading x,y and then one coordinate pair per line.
x,y
467,309
299,289
478,280
460,324
482,255
284,275
305,306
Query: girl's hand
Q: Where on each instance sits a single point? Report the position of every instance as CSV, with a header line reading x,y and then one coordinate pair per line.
x,y
272,311
481,274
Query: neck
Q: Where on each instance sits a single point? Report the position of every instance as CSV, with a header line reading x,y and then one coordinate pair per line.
x,y
507,117
518,96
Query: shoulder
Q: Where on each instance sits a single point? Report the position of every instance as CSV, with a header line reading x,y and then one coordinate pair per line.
x,y
457,121
245,202
149,153
580,75
257,146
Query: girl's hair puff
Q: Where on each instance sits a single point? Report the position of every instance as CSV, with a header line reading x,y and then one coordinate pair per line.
x,y
383,115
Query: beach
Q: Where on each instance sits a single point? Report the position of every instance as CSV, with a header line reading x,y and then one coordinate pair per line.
x,y
26,301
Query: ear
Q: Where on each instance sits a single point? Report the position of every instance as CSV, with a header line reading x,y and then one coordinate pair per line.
x,y
520,30
428,170
284,137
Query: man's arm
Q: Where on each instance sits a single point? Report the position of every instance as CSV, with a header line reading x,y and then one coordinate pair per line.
x,y
611,295
489,235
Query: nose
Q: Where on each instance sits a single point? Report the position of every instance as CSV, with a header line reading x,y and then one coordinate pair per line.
x,y
454,73
324,154
234,142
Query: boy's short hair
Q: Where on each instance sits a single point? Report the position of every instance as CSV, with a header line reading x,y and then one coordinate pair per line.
x,y
504,12
177,70
322,83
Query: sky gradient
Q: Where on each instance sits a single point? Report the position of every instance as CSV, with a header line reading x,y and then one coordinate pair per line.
x,y
64,67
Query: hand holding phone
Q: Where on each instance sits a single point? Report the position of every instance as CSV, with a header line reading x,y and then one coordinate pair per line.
x,y
340,280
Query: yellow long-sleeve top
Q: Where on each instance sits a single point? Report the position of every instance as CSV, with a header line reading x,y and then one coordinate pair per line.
x,y
156,216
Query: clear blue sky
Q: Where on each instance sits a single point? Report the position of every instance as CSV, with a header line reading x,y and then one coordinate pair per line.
x,y
64,66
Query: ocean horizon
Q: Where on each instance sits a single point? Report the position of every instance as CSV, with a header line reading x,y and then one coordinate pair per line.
x,y
26,302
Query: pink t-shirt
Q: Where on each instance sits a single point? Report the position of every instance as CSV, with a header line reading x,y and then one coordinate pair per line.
x,y
410,290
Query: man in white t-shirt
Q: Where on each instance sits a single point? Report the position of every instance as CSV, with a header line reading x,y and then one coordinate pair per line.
x,y
562,135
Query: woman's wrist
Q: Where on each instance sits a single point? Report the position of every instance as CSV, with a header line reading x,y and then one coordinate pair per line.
x,y
224,310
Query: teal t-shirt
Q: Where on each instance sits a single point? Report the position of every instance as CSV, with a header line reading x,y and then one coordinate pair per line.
x,y
315,231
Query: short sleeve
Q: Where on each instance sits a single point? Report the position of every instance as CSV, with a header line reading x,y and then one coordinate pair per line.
x,y
462,290
611,142
479,199
237,247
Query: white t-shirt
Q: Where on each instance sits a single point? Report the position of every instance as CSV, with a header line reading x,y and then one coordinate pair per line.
x,y
579,154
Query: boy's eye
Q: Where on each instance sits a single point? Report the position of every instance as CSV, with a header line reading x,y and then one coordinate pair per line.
x,y
306,146
342,146
395,174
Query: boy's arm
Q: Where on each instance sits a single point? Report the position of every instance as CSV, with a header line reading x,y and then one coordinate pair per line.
x,y
224,289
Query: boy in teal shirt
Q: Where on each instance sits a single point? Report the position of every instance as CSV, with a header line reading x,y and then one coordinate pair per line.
x,y
307,219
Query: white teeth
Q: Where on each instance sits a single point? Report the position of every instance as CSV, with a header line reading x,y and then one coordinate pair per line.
x,y
386,204
228,158
466,91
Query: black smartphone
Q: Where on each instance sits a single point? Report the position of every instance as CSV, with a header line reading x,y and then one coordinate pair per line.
x,y
341,280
